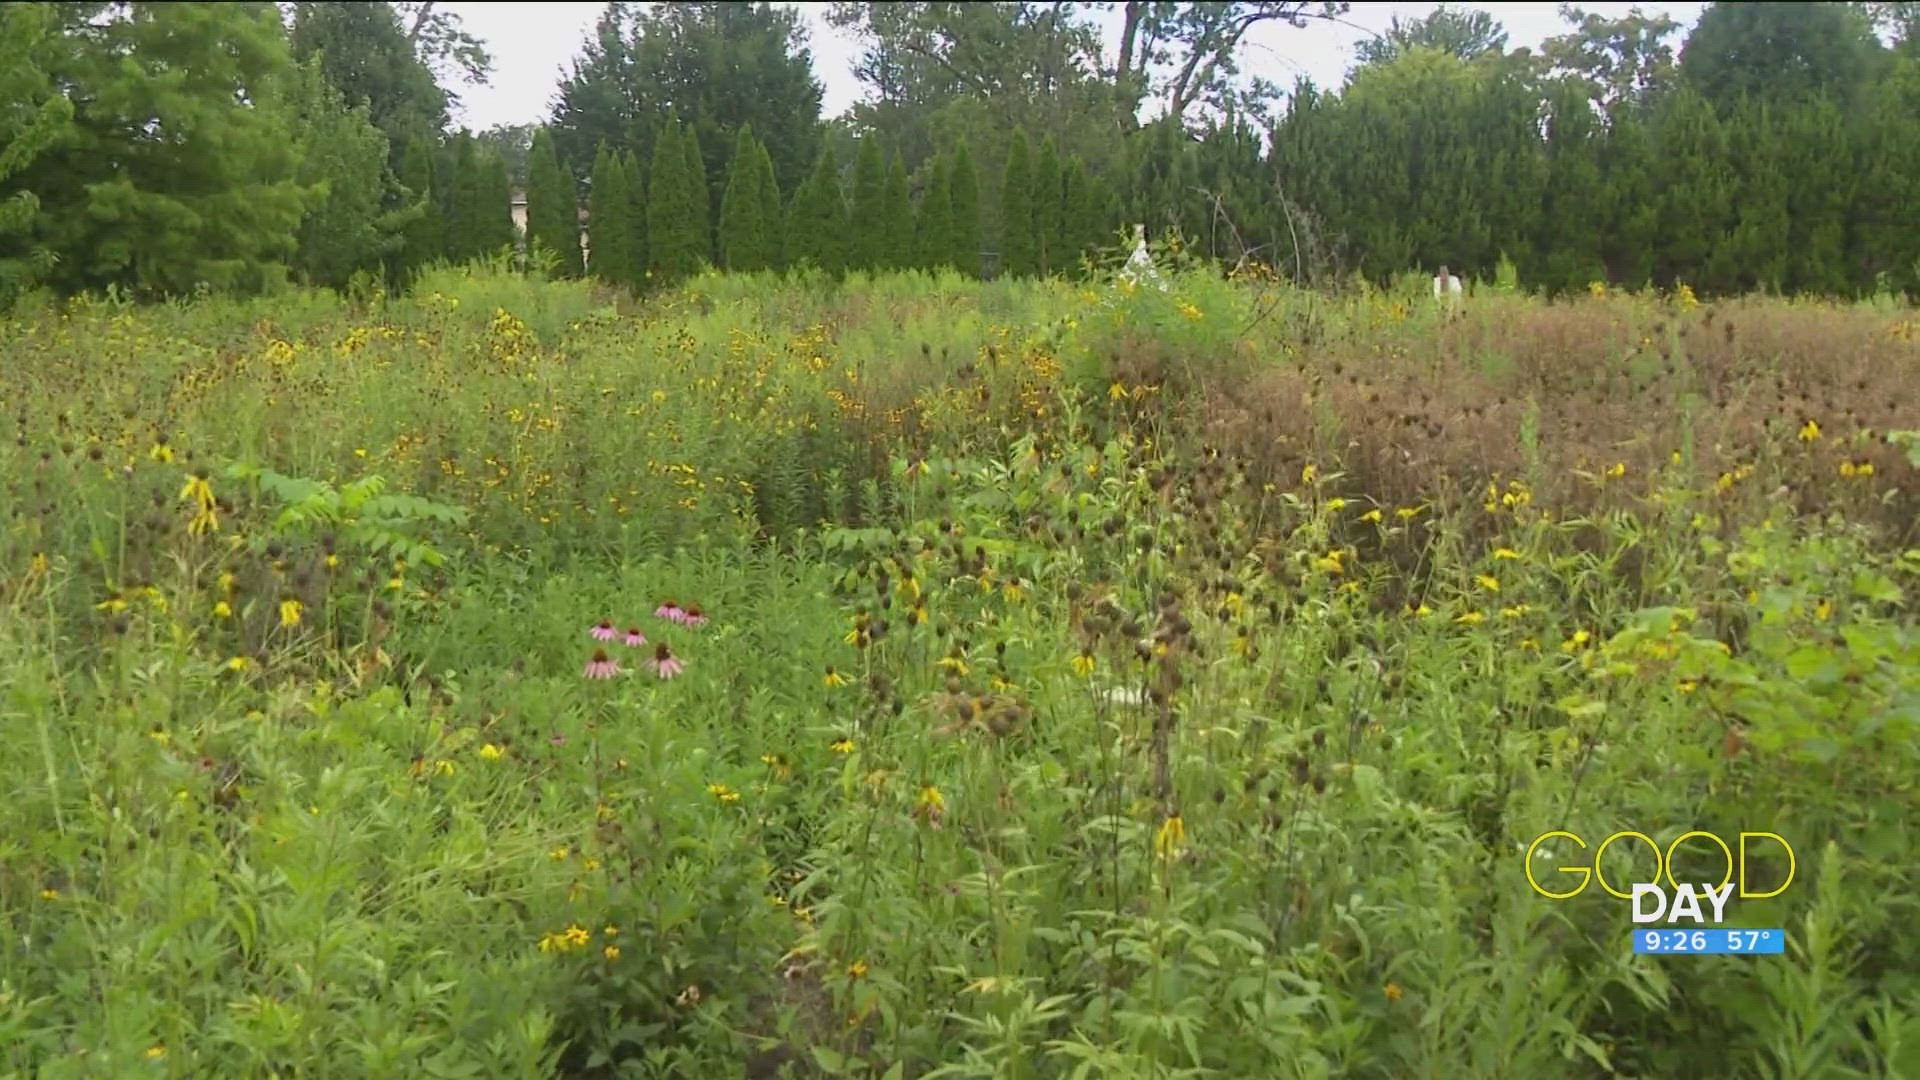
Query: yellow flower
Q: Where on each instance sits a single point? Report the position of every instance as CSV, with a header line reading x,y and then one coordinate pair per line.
x,y
857,969
290,612
1809,431
38,564
1013,591
834,678
931,798
1505,553
842,746
1393,992
1617,469
955,664
238,663
1488,582
1173,833
1083,664
1335,504
1372,515
724,793
1469,618
1309,472
1118,391
156,1051
222,610
1406,513
1578,640
49,894
611,952
1823,611
490,752
161,452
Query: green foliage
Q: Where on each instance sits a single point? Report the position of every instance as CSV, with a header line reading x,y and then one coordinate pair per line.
x,y
640,258
933,221
424,237
367,56
180,171
1047,209
609,221
40,117
816,219
1782,53
963,189
746,233
346,231
676,210
868,237
718,66
1019,240
896,219
360,515
553,207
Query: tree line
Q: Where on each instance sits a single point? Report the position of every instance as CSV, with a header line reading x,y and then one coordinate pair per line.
x,y
164,148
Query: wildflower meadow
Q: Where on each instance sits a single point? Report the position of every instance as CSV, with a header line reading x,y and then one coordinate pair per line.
x,y
915,676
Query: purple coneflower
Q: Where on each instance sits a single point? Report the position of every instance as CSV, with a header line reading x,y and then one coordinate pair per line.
x,y
604,631
692,616
635,638
664,662
602,666
669,611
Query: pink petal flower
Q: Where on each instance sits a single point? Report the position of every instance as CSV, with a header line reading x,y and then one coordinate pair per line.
x,y
604,631
635,638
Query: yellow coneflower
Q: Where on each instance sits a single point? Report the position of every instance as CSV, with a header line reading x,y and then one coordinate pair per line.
x,y
857,969
491,752
1505,553
1172,834
1083,664
723,793
290,610
1393,991
834,678
1488,582
1372,516
1810,430
841,746
1469,618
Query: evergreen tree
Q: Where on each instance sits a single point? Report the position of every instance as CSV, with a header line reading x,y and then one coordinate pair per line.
x,y
1079,218
179,167
867,240
609,231
1019,249
634,272
699,199
673,222
492,212
1046,207
743,229
345,157
963,184
934,226
896,217
817,220
553,213
772,208
424,237
461,198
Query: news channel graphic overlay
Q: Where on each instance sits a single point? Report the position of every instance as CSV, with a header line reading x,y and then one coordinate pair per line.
x,y
1715,941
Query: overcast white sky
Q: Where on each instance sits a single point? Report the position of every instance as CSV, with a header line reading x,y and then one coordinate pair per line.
x,y
533,45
